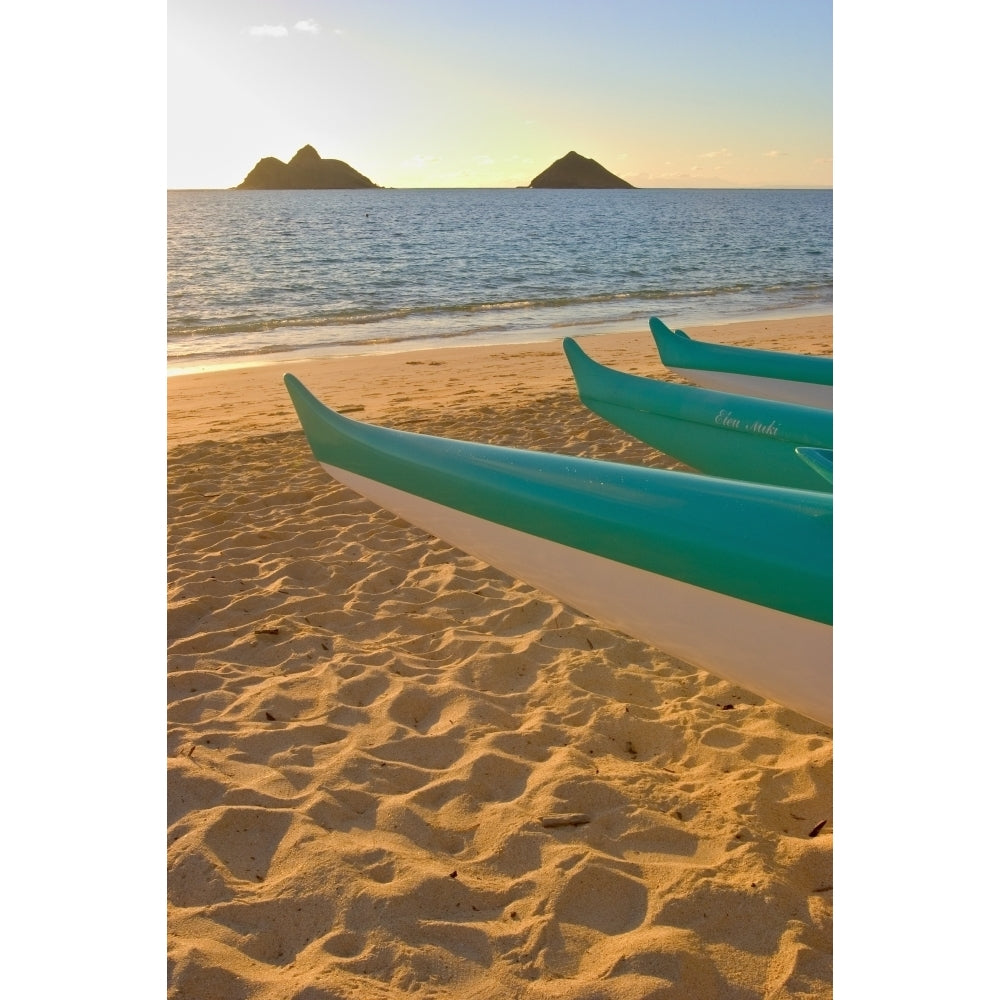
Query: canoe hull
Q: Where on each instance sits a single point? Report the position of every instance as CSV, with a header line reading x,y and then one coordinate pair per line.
x,y
802,379
779,390
777,655
736,437
732,577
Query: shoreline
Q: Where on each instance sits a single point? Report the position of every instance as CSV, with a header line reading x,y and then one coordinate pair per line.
x,y
209,401
516,338
394,769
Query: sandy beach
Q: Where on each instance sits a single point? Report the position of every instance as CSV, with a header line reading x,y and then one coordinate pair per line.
x,y
394,771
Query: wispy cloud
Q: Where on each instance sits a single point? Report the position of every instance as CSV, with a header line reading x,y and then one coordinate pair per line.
x,y
696,175
309,26
775,152
420,160
716,154
269,30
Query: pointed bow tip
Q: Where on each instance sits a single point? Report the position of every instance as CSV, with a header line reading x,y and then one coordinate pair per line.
x,y
302,399
576,356
657,326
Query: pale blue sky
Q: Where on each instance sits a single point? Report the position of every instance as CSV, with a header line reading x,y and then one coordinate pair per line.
x,y
475,93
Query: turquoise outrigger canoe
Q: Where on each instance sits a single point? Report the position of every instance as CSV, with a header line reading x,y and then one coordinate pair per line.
x,y
736,437
790,378
731,576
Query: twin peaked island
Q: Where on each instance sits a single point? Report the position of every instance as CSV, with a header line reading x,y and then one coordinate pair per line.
x,y
307,170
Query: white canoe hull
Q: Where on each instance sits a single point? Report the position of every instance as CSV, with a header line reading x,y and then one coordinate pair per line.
x,y
775,654
782,390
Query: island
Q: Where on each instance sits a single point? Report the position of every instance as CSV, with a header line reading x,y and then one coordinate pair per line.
x,y
576,171
306,170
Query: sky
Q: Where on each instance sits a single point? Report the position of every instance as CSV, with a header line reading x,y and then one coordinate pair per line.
x,y
477,93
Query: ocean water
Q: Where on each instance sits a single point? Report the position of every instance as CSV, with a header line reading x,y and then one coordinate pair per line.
x,y
253,274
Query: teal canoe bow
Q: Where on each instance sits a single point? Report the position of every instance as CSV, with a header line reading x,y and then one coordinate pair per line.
x,y
731,576
803,379
737,437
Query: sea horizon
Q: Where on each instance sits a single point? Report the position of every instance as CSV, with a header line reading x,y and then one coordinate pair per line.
x,y
528,187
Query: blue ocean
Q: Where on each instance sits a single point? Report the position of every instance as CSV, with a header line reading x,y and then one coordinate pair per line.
x,y
253,274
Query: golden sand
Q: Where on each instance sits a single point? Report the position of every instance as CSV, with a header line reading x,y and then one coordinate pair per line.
x,y
395,771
